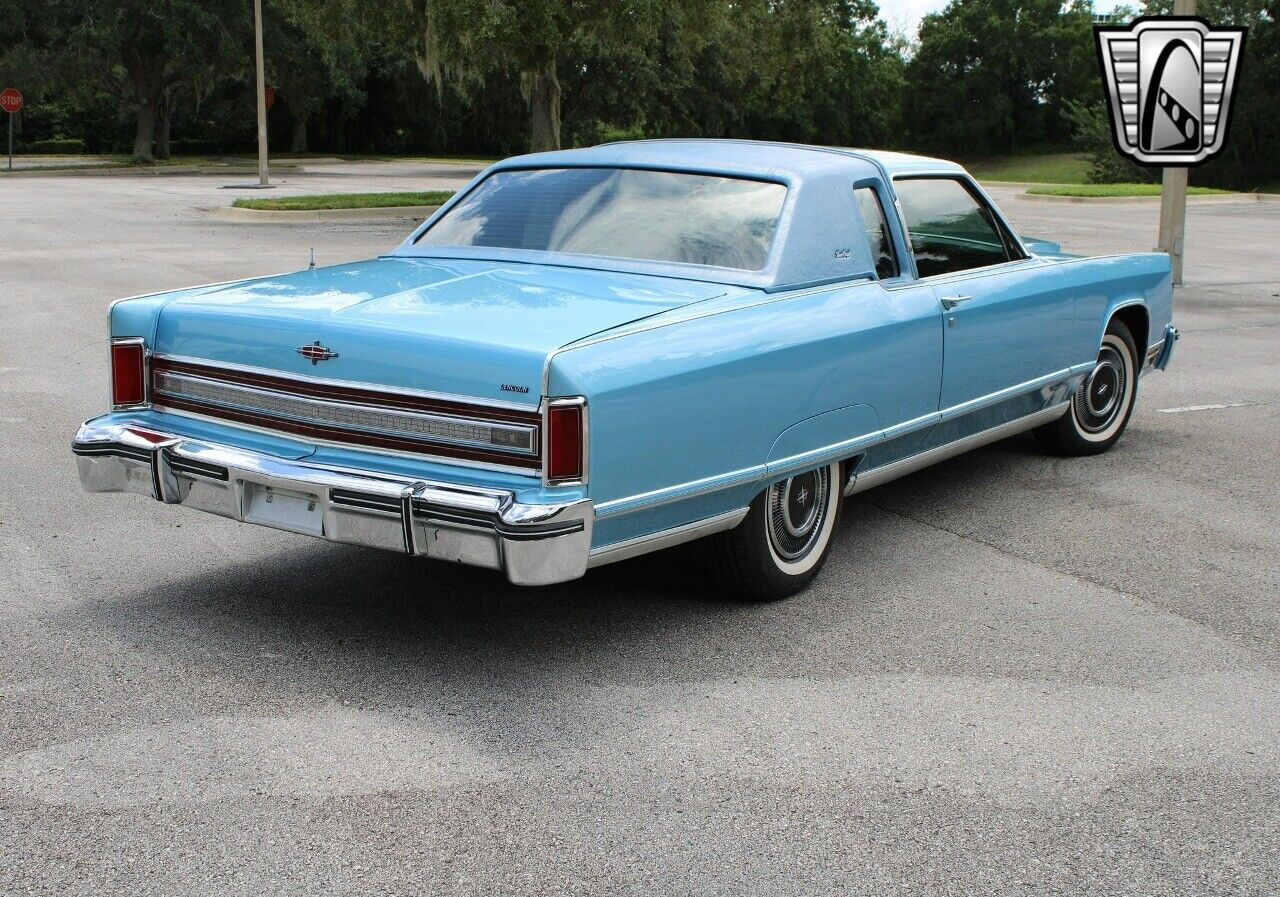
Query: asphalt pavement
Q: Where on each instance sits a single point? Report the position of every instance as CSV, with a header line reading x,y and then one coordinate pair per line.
x,y
1018,673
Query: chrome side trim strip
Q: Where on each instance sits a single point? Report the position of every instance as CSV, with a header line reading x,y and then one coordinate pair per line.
x,y
884,474
816,457
620,551
692,489
996,398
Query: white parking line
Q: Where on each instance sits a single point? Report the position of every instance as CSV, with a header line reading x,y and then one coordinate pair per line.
x,y
1200,408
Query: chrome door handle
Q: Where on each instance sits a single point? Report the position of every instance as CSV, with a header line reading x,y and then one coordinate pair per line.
x,y
950,302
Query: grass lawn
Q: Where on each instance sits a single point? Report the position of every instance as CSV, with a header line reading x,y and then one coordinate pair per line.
x,y
1046,168
344,201
1096,190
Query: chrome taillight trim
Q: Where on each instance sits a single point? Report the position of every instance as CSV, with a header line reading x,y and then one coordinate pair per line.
x,y
519,440
111,374
581,402
371,388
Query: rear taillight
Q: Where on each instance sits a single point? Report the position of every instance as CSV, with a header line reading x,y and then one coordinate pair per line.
x,y
128,372
566,440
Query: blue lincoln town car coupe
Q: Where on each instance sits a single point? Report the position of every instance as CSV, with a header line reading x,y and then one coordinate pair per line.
x,y
592,354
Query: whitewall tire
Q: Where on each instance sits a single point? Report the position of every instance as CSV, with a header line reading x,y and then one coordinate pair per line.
x,y
1102,405
783,541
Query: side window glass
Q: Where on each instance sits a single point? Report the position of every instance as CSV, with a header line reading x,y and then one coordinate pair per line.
x,y
877,229
950,229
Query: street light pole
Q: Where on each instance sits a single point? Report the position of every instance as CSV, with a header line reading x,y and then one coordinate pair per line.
x,y
262,95
1173,195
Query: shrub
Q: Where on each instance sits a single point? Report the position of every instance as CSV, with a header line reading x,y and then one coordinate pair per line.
x,y
1092,131
62,146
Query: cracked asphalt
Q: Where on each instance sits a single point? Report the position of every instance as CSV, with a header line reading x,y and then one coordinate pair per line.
x,y
1018,674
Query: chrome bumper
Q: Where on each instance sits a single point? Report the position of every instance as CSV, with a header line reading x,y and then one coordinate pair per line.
x,y
532,544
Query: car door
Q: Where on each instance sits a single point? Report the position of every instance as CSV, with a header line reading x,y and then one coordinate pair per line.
x,y
1005,313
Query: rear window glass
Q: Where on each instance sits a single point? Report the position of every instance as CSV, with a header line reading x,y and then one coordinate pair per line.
x,y
627,213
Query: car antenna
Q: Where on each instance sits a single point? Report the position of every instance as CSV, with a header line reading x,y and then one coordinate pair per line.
x,y
313,258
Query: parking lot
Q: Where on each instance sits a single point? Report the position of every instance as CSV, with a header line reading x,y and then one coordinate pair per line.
x,y
1018,673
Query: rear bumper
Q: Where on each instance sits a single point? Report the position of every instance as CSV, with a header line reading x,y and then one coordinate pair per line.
x,y
533,544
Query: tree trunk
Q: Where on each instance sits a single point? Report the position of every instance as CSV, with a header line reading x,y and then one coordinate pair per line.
x,y
544,107
146,132
164,116
299,144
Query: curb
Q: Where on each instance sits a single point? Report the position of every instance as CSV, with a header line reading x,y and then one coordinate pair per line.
x,y
1206,199
136,171
264,216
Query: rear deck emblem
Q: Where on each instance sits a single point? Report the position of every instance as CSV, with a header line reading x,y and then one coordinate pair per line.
x,y
1169,82
315,353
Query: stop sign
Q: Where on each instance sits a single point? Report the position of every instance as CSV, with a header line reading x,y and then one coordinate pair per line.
x,y
10,100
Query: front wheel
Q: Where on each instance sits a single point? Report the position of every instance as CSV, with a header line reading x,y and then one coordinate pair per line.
x,y
783,541
1101,405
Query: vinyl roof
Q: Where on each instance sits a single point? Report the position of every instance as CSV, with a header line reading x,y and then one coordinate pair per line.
x,y
819,237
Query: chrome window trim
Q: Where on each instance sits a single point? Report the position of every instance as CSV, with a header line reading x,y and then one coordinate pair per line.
x,y
529,430
581,402
934,173
1031,263
475,401
146,373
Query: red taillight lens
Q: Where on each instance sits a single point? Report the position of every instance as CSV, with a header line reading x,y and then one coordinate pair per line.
x,y
128,378
565,460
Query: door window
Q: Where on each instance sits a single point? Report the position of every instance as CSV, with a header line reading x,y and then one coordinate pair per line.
x,y
877,229
950,228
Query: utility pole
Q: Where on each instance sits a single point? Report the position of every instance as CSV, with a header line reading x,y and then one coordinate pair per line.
x,y
1173,195
263,180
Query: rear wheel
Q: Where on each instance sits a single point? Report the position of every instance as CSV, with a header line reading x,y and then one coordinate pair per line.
x,y
1102,404
783,541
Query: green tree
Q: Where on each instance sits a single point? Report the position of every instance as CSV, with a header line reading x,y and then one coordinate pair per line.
x,y
468,41
995,75
318,52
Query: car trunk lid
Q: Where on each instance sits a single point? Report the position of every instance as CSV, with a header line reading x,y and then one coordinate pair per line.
x,y
463,327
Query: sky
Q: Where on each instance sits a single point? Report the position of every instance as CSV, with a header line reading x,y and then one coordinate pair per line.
x,y
905,15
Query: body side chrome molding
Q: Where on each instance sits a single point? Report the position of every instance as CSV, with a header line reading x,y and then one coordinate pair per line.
x,y
816,457
691,489
629,548
888,472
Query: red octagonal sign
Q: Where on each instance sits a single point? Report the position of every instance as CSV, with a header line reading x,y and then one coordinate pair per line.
x,y
10,100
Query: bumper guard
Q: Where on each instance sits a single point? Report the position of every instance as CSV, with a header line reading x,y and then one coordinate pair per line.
x,y
533,544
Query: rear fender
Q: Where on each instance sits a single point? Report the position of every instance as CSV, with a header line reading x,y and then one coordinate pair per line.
x,y
832,436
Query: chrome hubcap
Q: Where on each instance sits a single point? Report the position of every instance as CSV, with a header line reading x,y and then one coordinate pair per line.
x,y
1098,400
797,509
